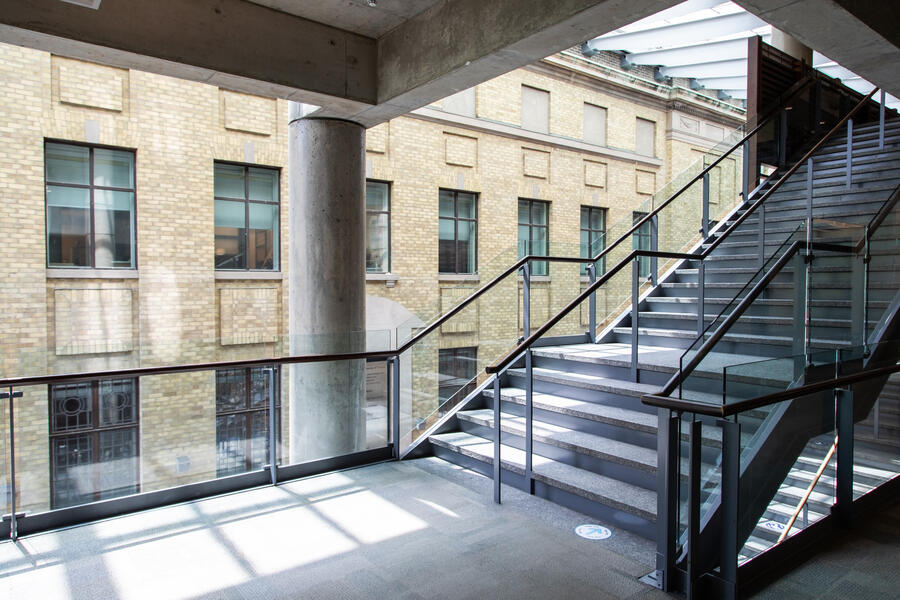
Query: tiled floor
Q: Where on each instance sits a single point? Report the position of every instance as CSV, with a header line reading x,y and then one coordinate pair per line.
x,y
420,529
396,530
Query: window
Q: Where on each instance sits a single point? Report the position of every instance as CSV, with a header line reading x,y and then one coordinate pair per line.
x,y
457,368
535,109
640,240
460,103
242,419
593,235
533,232
93,441
90,206
246,217
645,137
594,126
457,232
378,227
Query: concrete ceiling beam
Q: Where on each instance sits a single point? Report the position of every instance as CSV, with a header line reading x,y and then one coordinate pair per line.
x,y
236,44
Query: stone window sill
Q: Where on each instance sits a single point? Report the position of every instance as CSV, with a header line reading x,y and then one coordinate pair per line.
x,y
77,273
389,279
249,275
459,277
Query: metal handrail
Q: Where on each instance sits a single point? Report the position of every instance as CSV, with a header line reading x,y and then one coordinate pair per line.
x,y
739,406
510,356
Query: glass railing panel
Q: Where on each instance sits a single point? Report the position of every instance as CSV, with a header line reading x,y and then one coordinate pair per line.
x,y
752,379
434,299
884,267
710,469
85,441
798,476
445,366
764,317
550,295
876,403
835,283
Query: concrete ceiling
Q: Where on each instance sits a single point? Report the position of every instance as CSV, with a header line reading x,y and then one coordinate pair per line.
x,y
861,35
370,64
354,15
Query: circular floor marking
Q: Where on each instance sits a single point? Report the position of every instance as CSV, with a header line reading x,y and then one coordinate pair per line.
x,y
593,532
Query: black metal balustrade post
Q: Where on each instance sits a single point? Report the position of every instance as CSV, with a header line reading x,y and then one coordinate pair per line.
x,y
693,516
497,438
395,404
592,305
731,493
844,476
11,395
635,301
273,445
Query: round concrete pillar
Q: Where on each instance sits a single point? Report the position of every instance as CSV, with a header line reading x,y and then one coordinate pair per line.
x,y
327,285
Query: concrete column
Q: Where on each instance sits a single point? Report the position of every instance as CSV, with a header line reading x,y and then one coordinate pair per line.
x,y
327,285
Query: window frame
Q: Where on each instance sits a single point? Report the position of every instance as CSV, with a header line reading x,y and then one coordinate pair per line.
x,y
456,219
248,410
539,268
389,187
94,431
276,265
91,187
600,264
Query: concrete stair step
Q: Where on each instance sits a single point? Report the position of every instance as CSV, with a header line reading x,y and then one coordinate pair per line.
x,y
590,382
611,492
731,337
621,453
611,415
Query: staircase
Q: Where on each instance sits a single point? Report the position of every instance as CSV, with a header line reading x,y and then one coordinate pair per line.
x,y
595,444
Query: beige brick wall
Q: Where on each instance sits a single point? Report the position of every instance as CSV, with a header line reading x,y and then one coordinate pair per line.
x,y
181,312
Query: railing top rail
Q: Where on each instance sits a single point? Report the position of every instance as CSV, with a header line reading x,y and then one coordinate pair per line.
x,y
727,410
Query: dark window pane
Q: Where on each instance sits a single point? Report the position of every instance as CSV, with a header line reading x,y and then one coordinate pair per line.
x,y
117,402
113,168
229,181
377,243
263,184
466,247
118,463
465,205
113,237
231,390
446,204
231,444
72,470
377,196
70,407
263,235
259,388
524,212
446,246
68,227
229,233
64,163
